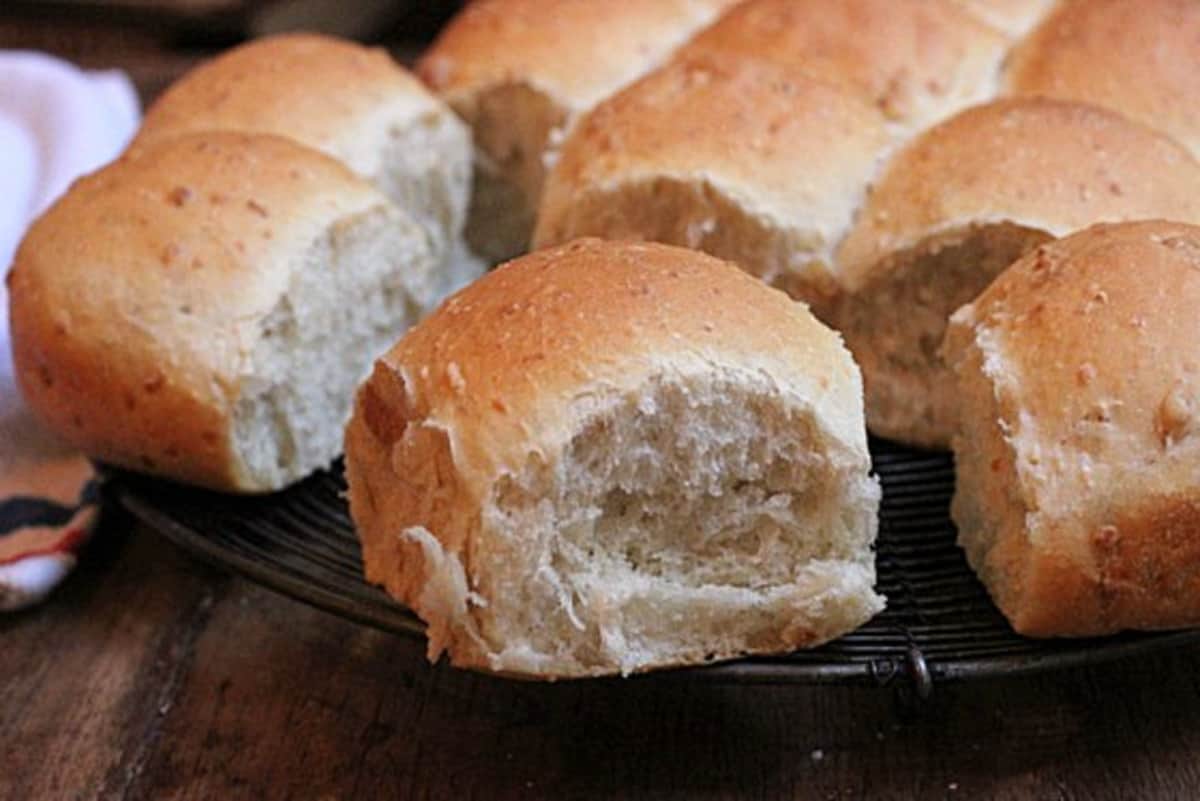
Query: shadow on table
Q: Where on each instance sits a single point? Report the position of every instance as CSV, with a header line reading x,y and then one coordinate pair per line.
x,y
173,679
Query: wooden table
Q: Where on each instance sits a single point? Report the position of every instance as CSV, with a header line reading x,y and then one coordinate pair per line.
x,y
152,676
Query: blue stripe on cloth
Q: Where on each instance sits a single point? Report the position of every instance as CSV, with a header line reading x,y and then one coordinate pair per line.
x,y
23,511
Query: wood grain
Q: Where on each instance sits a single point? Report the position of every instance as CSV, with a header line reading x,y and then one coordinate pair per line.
x,y
150,676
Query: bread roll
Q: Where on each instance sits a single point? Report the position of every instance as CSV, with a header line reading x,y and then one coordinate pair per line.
x,y
761,164
1012,17
204,309
961,203
1139,58
520,71
917,61
1079,443
608,457
348,101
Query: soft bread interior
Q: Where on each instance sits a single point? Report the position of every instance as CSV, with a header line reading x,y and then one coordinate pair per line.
x,y
700,519
700,215
988,508
425,169
894,325
351,294
516,129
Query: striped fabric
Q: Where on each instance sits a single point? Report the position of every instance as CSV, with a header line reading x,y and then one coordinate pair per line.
x,y
56,123
46,515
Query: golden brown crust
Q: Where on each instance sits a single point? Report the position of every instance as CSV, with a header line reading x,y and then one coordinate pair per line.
x,y
1087,346
135,298
766,164
318,90
502,353
915,60
1139,58
503,372
576,52
1042,164
350,102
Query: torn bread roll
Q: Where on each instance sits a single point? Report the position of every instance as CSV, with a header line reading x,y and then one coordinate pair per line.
x,y
744,159
1079,443
961,203
916,61
1139,58
610,457
203,310
352,103
520,71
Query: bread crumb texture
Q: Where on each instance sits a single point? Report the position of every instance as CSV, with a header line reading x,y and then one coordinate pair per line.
x,y
592,461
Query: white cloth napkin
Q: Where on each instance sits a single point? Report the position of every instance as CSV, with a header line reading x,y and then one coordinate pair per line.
x,y
57,122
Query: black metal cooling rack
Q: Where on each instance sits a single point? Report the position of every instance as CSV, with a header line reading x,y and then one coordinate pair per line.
x,y
939,624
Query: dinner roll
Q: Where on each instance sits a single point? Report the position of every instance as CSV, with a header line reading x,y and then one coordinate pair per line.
x,y
1012,17
609,457
917,61
520,71
960,204
1079,444
350,102
747,160
203,309
1140,58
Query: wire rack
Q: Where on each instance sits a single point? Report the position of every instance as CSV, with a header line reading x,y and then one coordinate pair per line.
x,y
939,624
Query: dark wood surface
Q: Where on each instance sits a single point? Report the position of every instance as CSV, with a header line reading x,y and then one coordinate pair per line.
x,y
152,676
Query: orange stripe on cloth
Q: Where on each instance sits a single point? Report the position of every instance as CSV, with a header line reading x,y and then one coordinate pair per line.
x,y
41,540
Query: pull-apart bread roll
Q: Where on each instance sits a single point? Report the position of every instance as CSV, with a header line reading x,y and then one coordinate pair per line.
x,y
1139,57
609,457
350,102
746,160
1014,18
520,71
205,308
958,206
917,61
1078,450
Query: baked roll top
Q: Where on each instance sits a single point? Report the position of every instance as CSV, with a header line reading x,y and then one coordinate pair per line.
x,y
203,307
1078,447
608,457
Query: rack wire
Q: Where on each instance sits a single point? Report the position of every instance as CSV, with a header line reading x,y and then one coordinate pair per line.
x,y
939,624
